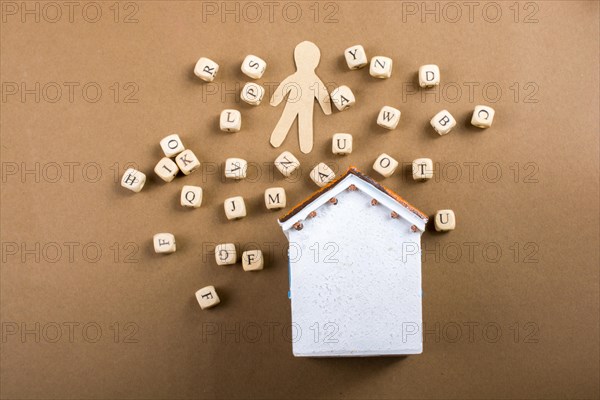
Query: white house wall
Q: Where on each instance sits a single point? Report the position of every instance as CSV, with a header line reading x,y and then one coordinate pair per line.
x,y
355,281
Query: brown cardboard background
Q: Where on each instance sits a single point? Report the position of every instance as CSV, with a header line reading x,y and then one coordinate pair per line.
x,y
558,295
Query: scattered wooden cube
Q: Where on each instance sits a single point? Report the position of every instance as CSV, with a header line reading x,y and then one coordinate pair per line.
x,y
236,168
342,97
164,243
206,69
191,196
388,117
275,198
166,169
443,122
429,75
356,57
207,297
252,93
225,254
252,260
235,208
187,162
381,67
133,180
341,143
172,145
230,121
321,174
254,66
445,220
286,163
385,165
422,169
483,116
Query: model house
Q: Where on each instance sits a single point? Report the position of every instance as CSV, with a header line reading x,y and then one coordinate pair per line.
x,y
355,270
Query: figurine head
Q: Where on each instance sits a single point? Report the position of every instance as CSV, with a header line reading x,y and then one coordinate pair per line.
x,y
307,56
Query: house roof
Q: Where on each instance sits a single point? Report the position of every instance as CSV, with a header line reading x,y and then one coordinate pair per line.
x,y
353,171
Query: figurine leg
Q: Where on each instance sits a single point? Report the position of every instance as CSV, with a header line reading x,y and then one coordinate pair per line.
x,y
283,127
305,131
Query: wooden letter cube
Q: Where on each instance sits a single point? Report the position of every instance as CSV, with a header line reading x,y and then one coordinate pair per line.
x,y
133,180
385,165
191,196
443,122
252,93
230,121
206,69
275,198
207,297
322,174
235,168
381,67
286,163
252,260
483,116
445,220
422,169
164,243
187,162
166,169
254,66
356,57
341,143
429,75
388,117
172,145
235,207
343,98
225,254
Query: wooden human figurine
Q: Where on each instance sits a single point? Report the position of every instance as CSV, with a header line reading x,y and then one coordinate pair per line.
x,y
301,88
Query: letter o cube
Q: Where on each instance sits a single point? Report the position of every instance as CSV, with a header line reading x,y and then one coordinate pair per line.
x,y
385,165
172,145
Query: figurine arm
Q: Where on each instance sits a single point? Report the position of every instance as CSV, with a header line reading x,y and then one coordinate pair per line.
x,y
281,91
322,96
